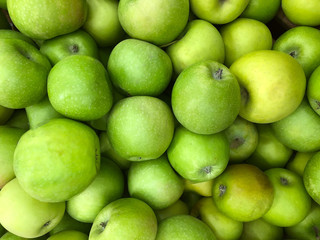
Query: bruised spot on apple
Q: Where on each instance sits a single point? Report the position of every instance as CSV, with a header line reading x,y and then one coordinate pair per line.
x,y
237,142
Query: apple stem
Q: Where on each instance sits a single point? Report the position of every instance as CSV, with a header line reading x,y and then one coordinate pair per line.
x,y
74,48
222,189
284,181
103,225
293,54
46,224
218,74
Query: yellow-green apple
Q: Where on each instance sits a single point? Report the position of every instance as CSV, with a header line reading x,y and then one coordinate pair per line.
x,y
223,227
69,234
311,177
39,19
19,119
57,160
303,44
184,227
125,218
102,22
159,22
299,162
199,41
107,186
243,139
149,181
75,43
5,114
11,236
261,230
11,34
261,10
313,90
25,216
202,188
300,130
242,36
243,192
9,138
23,73
308,228
270,152
301,13
137,67
140,127
217,11
291,202
79,88
198,157
269,97
206,97
177,208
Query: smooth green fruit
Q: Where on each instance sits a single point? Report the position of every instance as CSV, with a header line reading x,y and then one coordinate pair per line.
x,y
70,235
177,208
313,90
261,10
5,114
311,177
11,34
11,236
299,162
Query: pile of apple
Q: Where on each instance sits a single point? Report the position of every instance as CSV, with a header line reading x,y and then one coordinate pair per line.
x,y
160,119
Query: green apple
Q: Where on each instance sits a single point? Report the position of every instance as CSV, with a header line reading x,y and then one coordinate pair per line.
x,y
25,216
140,128
299,162
243,192
9,138
308,228
149,181
301,13
300,130
243,139
19,119
23,74
202,188
198,157
103,23
244,35
261,10
303,44
69,223
199,41
125,218
218,11
159,22
177,208
75,43
79,88
3,4
57,160
261,230
313,90
5,114
272,85
206,97
69,234
291,202
184,227
11,236
139,68
311,178
107,186
39,19
11,34
270,152
223,227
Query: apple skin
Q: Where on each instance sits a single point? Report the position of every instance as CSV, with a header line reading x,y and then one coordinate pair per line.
x,y
308,228
150,68
107,186
261,230
70,235
102,22
25,13
11,34
177,208
184,227
19,119
299,162
291,202
300,130
198,157
9,138
243,139
5,114
270,152
218,12
125,218
23,74
206,97
199,41
222,226
313,90
153,119
3,4
242,36
65,158
311,177
263,11
75,43
202,188
18,208
11,236
149,181
243,192
268,98
301,13
79,88
303,44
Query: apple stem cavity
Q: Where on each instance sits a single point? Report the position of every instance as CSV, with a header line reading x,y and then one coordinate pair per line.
x,y
222,189
47,224
103,225
74,48
236,142
317,102
207,169
284,181
218,74
293,54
